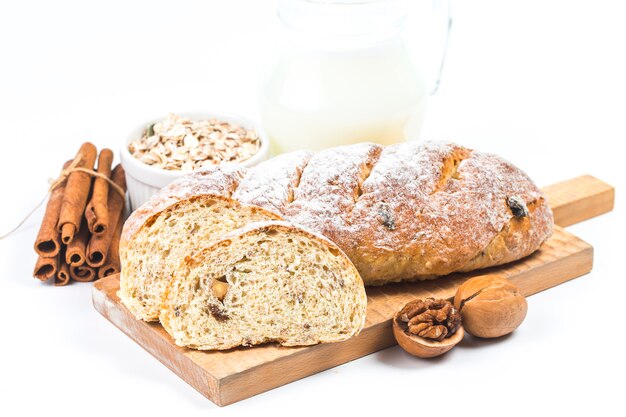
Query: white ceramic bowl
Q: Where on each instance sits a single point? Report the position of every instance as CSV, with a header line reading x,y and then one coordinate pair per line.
x,y
143,181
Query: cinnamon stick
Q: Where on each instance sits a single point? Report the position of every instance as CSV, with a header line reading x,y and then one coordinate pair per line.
x,y
96,212
82,273
76,193
75,252
48,240
46,267
112,264
63,275
98,245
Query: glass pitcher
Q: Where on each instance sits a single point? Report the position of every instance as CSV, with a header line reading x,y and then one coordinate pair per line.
x,y
344,74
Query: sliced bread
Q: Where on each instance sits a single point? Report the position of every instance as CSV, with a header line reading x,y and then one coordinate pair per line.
x,y
266,282
166,238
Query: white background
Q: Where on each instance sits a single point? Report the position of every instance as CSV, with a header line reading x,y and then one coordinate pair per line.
x,y
539,82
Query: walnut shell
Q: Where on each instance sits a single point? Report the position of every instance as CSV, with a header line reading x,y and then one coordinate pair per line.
x,y
491,306
421,347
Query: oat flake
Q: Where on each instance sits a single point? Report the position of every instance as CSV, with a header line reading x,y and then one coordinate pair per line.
x,y
179,143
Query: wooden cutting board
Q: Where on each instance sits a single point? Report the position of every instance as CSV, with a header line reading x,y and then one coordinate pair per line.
x,y
225,377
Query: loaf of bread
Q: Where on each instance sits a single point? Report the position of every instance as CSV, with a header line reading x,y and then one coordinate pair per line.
x,y
409,211
265,282
405,212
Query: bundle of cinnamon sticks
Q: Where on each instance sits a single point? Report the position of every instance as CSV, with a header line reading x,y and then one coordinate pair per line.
x,y
79,236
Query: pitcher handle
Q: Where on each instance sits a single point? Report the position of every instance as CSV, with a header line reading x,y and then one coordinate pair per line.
x,y
442,12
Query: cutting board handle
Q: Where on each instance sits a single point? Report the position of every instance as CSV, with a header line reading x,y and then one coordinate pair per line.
x,y
579,199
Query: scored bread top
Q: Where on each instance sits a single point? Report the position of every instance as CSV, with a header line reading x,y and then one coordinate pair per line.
x,y
409,210
273,187
402,212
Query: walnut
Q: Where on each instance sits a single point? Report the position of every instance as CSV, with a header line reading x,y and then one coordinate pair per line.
x,y
428,328
431,319
219,288
491,306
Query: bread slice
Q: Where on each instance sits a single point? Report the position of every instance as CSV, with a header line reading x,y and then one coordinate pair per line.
x,y
266,282
158,247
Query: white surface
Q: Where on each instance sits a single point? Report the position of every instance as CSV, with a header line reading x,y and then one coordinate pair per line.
x,y
542,83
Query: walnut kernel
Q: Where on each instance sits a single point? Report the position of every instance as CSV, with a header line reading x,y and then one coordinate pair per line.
x,y
219,288
428,328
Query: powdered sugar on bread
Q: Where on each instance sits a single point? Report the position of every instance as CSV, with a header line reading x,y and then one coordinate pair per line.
x,y
408,211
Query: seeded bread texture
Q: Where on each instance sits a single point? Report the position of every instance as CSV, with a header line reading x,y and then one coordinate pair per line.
x,y
265,282
165,239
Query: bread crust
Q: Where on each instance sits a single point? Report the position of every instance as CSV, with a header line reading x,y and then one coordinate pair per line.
x,y
218,181
409,211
